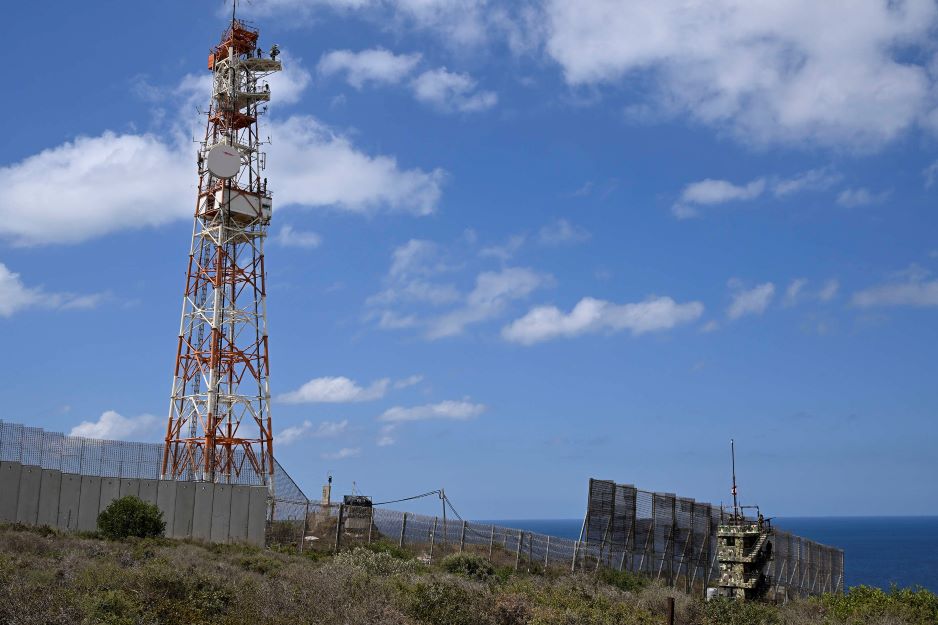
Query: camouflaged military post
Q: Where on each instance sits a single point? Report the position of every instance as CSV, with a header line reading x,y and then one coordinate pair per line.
x,y
744,549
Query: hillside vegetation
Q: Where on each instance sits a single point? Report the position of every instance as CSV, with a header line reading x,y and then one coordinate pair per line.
x,y
49,578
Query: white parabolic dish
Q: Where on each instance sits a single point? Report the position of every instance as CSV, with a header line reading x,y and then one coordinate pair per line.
x,y
224,161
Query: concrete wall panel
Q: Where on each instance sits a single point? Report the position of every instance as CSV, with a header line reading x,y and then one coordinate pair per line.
x,y
69,497
185,506
221,513
130,487
110,490
27,508
9,490
202,511
257,515
50,488
148,490
88,503
240,503
166,502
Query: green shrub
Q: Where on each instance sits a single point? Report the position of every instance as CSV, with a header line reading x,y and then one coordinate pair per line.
x,y
469,566
131,516
392,549
441,602
863,604
724,611
623,580
376,563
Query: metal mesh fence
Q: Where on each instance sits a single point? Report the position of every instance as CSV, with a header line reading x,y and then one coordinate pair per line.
x,y
674,539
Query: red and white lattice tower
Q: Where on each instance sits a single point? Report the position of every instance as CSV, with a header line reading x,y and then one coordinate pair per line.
x,y
219,426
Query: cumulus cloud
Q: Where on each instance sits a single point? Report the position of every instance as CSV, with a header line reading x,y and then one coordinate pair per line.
x,y
930,174
326,429
336,390
409,381
562,232
445,410
811,180
16,296
752,301
910,288
410,277
592,315
342,454
312,165
709,192
288,237
113,426
493,291
451,92
376,65
768,73
852,198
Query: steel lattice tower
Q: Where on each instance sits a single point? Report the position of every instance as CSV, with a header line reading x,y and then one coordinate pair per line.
x,y
219,416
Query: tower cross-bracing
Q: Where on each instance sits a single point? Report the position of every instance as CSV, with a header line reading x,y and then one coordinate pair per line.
x,y
219,425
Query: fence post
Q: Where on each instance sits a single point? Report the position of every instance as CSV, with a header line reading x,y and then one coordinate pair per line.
x,y
492,542
530,550
547,553
670,610
371,523
674,532
403,529
305,527
462,537
576,548
338,528
432,539
518,552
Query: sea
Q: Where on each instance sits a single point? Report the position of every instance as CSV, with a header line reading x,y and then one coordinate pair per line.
x,y
878,551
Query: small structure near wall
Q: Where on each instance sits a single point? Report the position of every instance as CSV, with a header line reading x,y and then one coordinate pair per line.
x,y
358,511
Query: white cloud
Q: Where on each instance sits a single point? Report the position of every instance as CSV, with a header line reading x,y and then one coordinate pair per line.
x,y
930,174
16,296
408,381
386,435
829,290
768,72
911,288
490,297
448,91
112,426
94,186
408,279
505,251
709,192
444,410
288,237
811,180
562,232
368,66
342,454
794,291
326,429
335,390
312,165
753,301
860,197
592,315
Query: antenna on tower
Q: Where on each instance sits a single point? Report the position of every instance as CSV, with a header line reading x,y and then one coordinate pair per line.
x,y
735,502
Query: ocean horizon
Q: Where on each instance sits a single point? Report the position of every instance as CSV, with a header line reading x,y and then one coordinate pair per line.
x,y
878,551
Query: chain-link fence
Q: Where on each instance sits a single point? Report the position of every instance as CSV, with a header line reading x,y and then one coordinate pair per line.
x,y
674,539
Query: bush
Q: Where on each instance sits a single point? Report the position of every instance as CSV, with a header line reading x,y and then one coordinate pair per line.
x,y
468,565
131,516
442,602
376,563
724,611
863,604
623,580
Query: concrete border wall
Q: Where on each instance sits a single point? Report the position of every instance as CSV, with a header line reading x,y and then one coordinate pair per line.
x,y
219,513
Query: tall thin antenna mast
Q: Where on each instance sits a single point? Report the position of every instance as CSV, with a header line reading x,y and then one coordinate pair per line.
x,y
735,503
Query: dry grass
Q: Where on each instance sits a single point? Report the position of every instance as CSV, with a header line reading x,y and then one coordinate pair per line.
x,y
51,579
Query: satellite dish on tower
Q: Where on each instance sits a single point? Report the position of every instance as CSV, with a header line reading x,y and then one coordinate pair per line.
x,y
224,161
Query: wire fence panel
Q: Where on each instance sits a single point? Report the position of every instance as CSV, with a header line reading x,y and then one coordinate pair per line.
x,y
673,539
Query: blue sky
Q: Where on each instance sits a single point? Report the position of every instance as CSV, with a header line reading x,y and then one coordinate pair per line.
x,y
514,245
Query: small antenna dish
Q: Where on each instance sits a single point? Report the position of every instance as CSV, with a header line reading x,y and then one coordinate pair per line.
x,y
224,161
